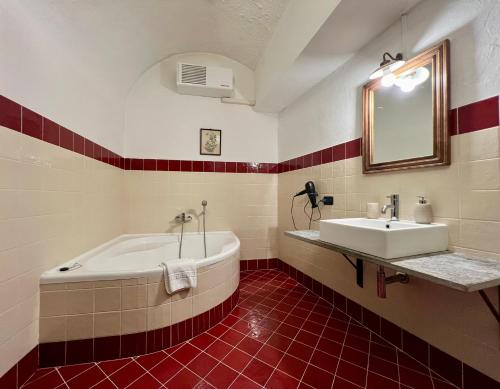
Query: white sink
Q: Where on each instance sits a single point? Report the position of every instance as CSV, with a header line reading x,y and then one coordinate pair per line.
x,y
372,236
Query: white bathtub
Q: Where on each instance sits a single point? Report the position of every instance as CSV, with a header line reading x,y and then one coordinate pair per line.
x,y
134,256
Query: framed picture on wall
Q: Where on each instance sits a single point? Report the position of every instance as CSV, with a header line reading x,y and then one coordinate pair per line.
x,y
210,141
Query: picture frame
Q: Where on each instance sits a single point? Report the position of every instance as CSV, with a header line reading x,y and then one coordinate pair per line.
x,y
210,141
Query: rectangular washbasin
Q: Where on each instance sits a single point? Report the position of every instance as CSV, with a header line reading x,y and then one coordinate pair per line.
x,y
385,239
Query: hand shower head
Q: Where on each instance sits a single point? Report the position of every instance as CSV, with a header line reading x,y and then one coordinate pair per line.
x,y
204,203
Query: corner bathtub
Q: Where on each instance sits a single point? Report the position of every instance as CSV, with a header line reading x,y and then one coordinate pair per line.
x,y
113,302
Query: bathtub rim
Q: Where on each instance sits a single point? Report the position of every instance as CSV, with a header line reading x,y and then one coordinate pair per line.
x,y
54,276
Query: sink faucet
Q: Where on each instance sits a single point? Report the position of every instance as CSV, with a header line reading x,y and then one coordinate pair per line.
x,y
393,206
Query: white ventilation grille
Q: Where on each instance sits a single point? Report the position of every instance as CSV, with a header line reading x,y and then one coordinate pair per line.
x,y
193,74
200,80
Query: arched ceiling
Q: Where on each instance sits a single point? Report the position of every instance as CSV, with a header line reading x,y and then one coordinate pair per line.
x,y
117,40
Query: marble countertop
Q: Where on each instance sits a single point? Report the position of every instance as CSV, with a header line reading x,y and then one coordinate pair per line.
x,y
453,270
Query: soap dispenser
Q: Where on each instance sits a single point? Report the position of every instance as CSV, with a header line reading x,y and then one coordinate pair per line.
x,y
423,211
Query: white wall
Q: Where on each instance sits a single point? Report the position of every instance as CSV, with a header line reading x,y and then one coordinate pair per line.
x,y
160,123
331,112
43,69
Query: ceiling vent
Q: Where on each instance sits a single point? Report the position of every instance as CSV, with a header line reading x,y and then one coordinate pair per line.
x,y
199,80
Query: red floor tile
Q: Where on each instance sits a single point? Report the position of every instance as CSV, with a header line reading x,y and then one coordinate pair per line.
x,y
232,337
69,372
222,376
375,381
109,367
280,380
203,340
185,354
270,355
292,366
126,376
50,380
88,378
202,364
243,382
237,359
325,361
300,351
145,381
317,378
219,349
166,369
148,361
250,345
258,371
351,373
185,379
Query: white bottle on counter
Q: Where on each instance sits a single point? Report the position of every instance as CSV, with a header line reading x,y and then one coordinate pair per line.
x,y
423,211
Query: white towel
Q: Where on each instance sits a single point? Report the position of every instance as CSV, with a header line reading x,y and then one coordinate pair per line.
x,y
179,274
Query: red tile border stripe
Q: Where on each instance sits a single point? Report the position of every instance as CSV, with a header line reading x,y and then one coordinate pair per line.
x,y
468,118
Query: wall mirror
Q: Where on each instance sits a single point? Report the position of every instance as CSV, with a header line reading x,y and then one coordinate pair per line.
x,y
406,123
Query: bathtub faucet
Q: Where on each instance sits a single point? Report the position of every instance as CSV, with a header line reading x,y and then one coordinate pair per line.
x,y
182,219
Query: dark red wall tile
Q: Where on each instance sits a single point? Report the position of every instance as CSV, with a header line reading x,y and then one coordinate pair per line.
x,y
50,132
106,348
52,354
162,165
230,167
445,365
27,366
9,379
479,115
252,167
474,379
371,320
308,160
263,168
338,152
416,347
354,309
133,344
89,148
197,166
453,121
316,158
78,144
97,152
186,166
66,138
273,168
208,166
353,148
31,123
136,164
241,167
339,301
390,332
10,114
150,164
79,351
220,167
327,155
174,165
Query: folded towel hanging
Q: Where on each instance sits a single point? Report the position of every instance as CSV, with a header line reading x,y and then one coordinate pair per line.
x,y
179,274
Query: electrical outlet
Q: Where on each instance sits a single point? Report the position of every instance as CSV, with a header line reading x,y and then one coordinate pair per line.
x,y
328,200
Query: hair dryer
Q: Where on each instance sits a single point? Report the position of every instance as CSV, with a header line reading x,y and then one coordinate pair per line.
x,y
310,190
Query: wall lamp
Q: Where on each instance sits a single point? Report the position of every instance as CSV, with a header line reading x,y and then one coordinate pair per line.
x,y
388,65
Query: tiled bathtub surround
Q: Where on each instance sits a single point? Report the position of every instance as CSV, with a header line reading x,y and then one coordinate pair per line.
x,y
105,310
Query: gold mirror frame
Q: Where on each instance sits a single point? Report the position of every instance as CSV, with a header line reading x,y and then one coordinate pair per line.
x,y
439,57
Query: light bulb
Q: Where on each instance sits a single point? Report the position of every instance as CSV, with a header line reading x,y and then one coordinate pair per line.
x,y
407,86
388,80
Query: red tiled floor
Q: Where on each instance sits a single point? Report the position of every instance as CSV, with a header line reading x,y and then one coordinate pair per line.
x,y
280,335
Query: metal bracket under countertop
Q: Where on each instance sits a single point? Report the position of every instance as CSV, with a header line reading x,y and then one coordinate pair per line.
x,y
494,311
